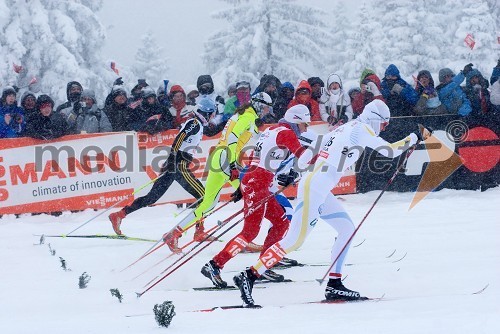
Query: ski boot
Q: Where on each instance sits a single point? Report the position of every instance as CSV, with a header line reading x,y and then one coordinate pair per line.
x,y
116,220
171,239
212,271
271,276
335,290
200,235
286,263
244,281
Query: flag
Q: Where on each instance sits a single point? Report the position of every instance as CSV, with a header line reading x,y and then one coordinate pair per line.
x,y
469,40
113,67
17,68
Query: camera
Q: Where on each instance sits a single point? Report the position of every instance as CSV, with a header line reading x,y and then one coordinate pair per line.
x,y
83,104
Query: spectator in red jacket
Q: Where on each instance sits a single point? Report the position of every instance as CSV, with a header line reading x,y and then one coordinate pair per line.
x,y
370,90
303,95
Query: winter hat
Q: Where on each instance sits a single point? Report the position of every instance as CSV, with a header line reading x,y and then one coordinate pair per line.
x,y
68,88
240,84
147,92
25,95
9,90
44,99
191,88
118,90
89,93
352,90
366,72
316,80
444,72
289,85
392,70
231,89
298,114
203,80
374,114
176,89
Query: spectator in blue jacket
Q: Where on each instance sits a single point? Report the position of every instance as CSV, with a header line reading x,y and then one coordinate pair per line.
x,y
400,97
451,94
12,121
495,89
476,89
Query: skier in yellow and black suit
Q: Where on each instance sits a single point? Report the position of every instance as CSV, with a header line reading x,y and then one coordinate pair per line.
x,y
222,164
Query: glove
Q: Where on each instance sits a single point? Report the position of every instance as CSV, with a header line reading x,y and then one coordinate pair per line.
x,y
467,68
77,107
372,87
220,99
233,172
118,82
396,89
429,91
286,179
237,195
423,132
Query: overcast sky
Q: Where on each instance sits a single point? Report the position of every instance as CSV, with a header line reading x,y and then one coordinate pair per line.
x,y
181,28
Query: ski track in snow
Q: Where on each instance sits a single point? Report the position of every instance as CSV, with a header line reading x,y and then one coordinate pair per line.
x,y
450,240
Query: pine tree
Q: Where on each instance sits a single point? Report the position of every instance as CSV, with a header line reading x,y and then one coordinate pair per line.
x,y
342,31
150,63
56,41
266,37
476,18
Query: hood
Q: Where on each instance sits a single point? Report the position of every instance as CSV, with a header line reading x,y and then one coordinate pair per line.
x,y
333,78
68,86
420,74
203,79
472,74
304,84
392,70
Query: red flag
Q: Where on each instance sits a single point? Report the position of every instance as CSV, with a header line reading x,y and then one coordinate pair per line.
x,y
17,68
469,40
113,67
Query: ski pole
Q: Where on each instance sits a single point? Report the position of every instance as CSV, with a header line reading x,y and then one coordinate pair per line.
x,y
221,224
111,207
155,247
398,169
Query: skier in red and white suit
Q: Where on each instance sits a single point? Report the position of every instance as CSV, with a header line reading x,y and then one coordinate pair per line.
x,y
274,145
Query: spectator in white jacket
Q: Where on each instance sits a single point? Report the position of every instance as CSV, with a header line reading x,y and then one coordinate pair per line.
x,y
335,103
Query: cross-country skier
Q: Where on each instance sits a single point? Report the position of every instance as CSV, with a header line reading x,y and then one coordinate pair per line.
x,y
222,163
176,167
274,145
343,147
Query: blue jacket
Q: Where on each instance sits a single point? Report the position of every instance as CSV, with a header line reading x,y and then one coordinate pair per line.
x,y
495,75
14,128
400,104
453,97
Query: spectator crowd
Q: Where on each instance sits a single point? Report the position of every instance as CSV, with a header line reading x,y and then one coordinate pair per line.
x,y
150,110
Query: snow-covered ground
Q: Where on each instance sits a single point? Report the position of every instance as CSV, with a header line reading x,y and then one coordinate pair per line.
x,y
451,242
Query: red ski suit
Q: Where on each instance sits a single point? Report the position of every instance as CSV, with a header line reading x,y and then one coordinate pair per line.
x,y
273,146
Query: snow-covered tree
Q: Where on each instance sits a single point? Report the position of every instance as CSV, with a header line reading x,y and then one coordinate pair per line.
x,y
266,37
365,44
56,41
150,62
342,30
476,18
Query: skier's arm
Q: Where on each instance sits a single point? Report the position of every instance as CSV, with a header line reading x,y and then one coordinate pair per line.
x,y
390,150
191,127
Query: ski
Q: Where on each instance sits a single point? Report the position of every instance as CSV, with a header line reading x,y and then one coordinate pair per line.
x,y
228,288
264,281
228,307
96,236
